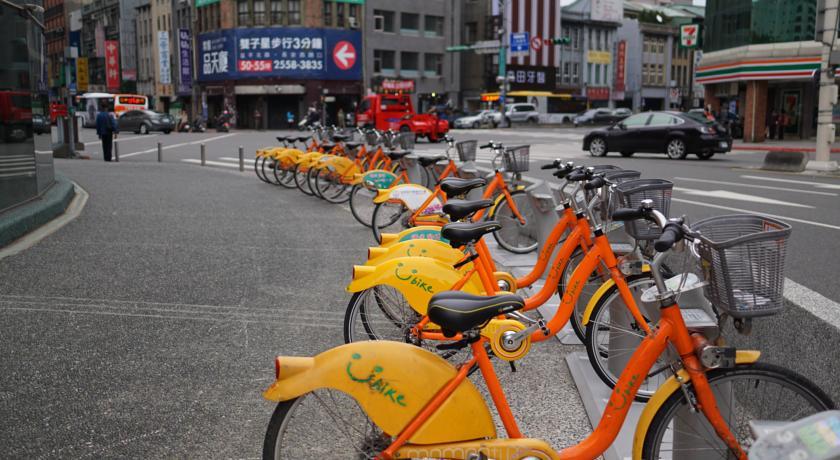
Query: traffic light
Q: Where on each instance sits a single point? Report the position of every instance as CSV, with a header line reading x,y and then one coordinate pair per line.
x,y
561,41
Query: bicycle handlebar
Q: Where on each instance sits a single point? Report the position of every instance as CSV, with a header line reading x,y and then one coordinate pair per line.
x,y
596,182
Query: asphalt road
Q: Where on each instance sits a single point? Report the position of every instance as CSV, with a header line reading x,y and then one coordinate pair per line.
x,y
726,184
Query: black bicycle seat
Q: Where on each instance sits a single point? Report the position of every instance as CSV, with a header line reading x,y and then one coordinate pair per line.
x,y
456,311
461,233
460,209
454,186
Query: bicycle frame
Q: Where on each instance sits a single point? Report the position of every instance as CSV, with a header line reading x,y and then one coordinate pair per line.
x,y
671,329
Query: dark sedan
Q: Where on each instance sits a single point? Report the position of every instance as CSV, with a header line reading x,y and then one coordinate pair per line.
x,y
675,134
145,121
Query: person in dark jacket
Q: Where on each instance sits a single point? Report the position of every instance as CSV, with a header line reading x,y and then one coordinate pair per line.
x,y
107,130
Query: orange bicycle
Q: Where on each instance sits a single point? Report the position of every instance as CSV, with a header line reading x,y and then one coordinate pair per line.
x,y
390,400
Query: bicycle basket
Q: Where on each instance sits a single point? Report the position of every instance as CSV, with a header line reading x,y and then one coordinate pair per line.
x,y
743,259
467,150
406,141
371,138
630,195
516,159
616,176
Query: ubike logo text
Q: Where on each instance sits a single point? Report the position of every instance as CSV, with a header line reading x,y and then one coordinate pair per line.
x,y
413,279
375,382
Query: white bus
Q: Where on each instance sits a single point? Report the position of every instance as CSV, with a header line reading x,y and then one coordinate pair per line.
x,y
88,105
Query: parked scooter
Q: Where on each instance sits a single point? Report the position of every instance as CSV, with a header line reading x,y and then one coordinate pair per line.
x,y
198,125
223,122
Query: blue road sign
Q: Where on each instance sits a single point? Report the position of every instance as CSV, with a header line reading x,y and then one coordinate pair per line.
x,y
520,42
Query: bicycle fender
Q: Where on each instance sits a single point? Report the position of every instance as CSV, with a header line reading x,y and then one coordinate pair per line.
x,y
417,279
415,248
379,179
665,391
391,382
412,196
606,286
420,232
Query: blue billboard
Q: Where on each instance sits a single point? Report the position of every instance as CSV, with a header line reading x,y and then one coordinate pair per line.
x,y
280,52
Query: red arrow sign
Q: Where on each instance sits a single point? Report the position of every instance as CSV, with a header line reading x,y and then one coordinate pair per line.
x,y
344,55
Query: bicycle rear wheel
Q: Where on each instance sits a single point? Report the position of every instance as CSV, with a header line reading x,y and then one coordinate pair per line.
x,y
323,423
387,217
361,204
335,191
515,236
258,169
268,165
283,177
750,392
311,178
301,180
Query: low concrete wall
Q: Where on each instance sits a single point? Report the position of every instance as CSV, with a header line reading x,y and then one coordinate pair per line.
x,y
21,220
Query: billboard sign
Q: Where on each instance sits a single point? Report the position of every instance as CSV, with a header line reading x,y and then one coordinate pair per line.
x,y
621,56
304,53
165,76
688,35
185,61
520,42
532,78
112,64
82,75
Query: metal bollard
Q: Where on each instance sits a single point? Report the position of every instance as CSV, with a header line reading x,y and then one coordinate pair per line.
x,y
241,159
160,152
203,156
116,151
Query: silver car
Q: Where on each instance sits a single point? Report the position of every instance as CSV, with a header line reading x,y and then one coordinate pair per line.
x,y
476,120
521,113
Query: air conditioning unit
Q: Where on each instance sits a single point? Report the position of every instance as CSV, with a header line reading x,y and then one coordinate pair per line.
x,y
379,23
352,22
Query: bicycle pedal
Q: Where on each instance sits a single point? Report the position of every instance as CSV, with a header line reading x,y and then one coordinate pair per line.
x,y
512,366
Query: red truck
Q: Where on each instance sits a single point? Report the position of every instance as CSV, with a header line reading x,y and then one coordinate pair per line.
x,y
395,111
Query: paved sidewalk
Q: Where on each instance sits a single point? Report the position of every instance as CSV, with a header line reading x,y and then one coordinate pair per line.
x,y
147,327
808,145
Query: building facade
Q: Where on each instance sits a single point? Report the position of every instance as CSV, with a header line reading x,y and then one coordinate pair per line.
x,y
405,41
760,59
266,59
110,20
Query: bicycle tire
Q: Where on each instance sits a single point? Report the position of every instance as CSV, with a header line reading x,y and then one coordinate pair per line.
x,y
270,167
805,399
380,210
595,350
257,169
511,226
361,204
323,440
311,176
301,180
282,176
288,178
336,192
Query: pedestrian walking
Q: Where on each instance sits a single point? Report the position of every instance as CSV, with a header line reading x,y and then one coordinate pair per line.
x,y
341,119
773,123
107,129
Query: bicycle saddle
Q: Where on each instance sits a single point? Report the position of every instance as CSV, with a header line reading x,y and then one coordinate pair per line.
x,y
284,139
456,311
340,137
302,138
453,186
426,161
397,155
459,209
353,145
461,233
327,146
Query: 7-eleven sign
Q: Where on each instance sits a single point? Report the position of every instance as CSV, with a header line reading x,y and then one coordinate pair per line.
x,y
688,35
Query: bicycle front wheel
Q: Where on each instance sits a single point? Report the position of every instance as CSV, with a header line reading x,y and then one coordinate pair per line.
x,y
361,204
282,176
342,431
335,191
258,169
386,217
301,180
269,165
515,236
750,392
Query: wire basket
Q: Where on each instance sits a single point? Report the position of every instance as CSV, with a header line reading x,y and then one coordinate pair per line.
x,y
516,159
743,260
616,176
406,141
605,168
630,195
619,176
467,150
371,138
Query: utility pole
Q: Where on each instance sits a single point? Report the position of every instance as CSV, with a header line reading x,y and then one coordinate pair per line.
x,y
502,78
71,115
828,92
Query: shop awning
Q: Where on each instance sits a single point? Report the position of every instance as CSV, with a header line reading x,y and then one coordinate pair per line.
x,y
495,96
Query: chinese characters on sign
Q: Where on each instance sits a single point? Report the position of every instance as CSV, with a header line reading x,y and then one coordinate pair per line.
x,y
597,93
532,78
185,53
163,54
112,64
283,52
82,80
621,54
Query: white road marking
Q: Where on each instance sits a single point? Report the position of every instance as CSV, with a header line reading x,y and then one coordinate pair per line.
x,y
727,195
211,163
167,147
124,139
748,211
765,187
233,159
791,181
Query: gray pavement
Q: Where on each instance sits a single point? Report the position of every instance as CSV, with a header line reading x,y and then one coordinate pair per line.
x,y
726,184
147,327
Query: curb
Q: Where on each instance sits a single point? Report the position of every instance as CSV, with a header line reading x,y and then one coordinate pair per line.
x,y
31,215
760,148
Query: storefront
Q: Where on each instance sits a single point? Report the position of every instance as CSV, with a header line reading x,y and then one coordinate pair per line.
x,y
263,74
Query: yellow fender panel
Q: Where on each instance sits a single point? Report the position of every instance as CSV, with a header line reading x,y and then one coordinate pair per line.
x,y
392,382
522,448
308,158
416,248
665,391
417,279
599,293
420,232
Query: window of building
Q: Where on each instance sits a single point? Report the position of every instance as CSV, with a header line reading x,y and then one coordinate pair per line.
x,y
470,32
293,12
277,13
575,73
328,16
409,23
409,63
598,74
383,21
433,26
339,14
566,72
259,12
353,15
383,62
589,73
243,13
433,66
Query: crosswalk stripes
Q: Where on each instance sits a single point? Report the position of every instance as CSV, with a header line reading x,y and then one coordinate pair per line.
x,y
226,164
